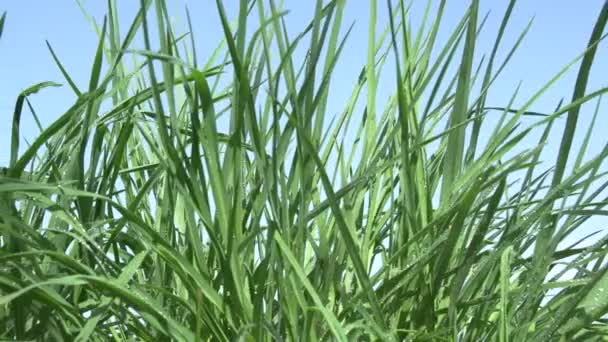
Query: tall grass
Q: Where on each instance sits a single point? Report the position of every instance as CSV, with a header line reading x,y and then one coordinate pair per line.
x,y
221,200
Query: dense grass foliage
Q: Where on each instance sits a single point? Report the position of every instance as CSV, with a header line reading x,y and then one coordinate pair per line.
x,y
221,200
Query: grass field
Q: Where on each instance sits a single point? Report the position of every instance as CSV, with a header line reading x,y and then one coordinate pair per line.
x,y
221,200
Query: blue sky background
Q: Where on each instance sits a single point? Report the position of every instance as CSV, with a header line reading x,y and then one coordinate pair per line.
x,y
560,32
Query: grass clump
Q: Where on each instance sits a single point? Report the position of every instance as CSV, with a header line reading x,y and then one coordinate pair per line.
x,y
193,201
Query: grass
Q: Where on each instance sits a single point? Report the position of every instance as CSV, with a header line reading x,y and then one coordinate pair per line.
x,y
189,201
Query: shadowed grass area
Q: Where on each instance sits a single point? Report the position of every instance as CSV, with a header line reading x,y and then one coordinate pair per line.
x,y
189,201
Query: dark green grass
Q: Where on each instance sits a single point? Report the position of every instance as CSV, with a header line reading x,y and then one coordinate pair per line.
x,y
190,201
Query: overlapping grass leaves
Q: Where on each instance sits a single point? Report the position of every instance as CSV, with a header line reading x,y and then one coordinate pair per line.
x,y
227,202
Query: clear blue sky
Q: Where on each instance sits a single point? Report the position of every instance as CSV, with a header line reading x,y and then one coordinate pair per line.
x,y
560,32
